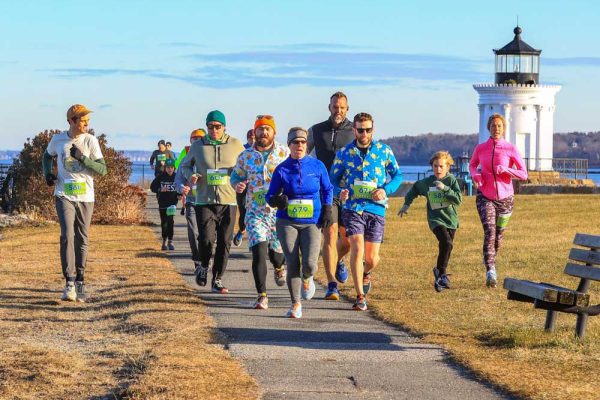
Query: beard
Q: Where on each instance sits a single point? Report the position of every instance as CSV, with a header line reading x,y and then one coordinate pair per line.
x,y
338,119
364,141
264,141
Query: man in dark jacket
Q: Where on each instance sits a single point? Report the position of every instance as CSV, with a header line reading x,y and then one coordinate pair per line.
x,y
326,138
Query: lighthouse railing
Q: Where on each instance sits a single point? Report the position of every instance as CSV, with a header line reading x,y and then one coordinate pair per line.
x,y
569,168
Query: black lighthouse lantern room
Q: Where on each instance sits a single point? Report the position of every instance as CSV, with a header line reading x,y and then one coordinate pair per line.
x,y
517,62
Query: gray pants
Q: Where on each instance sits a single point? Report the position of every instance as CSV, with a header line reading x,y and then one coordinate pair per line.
x,y
296,239
75,218
192,230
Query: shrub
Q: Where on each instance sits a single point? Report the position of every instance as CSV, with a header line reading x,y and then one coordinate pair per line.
x,y
117,202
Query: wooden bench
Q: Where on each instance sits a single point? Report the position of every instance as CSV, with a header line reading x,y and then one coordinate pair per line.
x,y
559,299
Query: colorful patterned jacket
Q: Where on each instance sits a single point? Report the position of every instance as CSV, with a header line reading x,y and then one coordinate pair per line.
x,y
363,174
252,167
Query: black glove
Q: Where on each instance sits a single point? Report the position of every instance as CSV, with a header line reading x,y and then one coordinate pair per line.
x,y
50,179
279,201
76,153
326,216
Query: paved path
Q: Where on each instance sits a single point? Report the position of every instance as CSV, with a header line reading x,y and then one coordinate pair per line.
x,y
332,352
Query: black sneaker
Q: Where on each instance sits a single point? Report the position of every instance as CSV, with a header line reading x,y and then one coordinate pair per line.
x,y
218,287
440,281
80,291
201,273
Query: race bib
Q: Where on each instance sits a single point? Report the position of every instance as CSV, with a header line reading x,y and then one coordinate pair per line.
x,y
161,157
259,195
437,198
194,190
364,189
217,177
300,209
75,188
502,220
171,210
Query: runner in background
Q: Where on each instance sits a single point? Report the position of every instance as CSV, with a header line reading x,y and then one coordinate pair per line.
x,y
188,191
159,156
363,165
208,166
252,174
326,138
241,198
164,187
302,193
196,133
78,159
443,198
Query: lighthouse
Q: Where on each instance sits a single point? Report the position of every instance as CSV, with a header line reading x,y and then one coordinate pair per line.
x,y
527,105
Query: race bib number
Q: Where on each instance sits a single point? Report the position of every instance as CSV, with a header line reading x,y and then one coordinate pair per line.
x,y
161,157
194,190
300,209
171,210
217,177
502,220
364,189
259,195
75,188
437,198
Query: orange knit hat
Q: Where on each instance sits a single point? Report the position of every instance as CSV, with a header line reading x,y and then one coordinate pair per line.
x,y
265,120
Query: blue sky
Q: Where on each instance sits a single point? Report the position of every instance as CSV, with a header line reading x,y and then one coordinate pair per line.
x,y
153,69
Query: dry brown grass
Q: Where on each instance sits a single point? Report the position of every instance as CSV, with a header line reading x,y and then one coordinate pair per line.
x,y
142,335
502,341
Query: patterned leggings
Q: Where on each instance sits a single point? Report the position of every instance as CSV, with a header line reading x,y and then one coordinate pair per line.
x,y
489,211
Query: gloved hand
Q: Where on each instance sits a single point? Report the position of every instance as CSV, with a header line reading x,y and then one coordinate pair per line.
x,y
502,170
50,179
440,185
76,153
326,216
403,210
280,202
477,179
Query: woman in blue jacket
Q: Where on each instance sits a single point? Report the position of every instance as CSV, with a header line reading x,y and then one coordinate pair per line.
x,y
302,193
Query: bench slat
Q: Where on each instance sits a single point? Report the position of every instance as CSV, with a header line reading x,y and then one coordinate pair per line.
x,y
570,297
586,256
591,241
531,289
583,271
591,310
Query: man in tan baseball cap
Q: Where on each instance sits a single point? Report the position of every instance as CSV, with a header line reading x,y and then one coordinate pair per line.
x,y
78,159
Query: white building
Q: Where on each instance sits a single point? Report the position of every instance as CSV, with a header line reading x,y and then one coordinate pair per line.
x,y
527,106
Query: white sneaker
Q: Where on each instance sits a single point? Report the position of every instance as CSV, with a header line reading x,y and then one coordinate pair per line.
x,y
279,274
308,288
491,279
69,294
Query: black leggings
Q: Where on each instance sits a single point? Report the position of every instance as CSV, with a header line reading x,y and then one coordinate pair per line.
x,y
445,238
240,199
215,231
259,264
166,224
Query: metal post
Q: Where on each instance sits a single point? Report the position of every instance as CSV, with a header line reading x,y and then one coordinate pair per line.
x,y
550,320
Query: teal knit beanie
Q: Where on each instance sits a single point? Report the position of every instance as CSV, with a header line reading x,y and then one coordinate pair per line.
x,y
215,115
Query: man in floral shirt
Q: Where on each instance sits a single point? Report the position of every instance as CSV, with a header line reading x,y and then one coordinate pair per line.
x,y
253,172
364,166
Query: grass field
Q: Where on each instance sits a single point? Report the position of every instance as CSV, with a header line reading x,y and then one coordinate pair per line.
x,y
142,335
502,341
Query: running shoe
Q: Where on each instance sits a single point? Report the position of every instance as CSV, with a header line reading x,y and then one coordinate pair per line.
x,y
218,287
361,303
366,283
80,291
279,274
262,302
69,294
332,292
237,239
201,273
295,311
341,272
170,245
308,288
164,245
491,280
182,210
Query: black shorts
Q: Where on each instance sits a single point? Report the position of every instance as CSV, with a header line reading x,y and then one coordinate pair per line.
x,y
337,212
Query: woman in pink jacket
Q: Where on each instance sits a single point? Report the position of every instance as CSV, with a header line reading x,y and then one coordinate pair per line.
x,y
493,165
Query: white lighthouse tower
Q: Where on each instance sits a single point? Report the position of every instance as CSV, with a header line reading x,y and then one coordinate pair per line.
x,y
527,106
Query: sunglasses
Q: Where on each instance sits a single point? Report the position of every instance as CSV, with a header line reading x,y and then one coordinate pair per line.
x,y
264,117
363,130
214,126
298,142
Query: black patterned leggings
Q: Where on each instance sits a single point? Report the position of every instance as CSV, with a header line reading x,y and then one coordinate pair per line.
x,y
494,215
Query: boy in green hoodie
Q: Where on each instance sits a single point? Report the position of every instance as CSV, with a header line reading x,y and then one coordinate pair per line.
x,y
443,197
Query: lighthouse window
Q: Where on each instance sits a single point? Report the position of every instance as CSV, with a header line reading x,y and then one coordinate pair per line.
x,y
501,63
514,63
535,64
525,64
